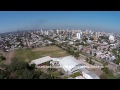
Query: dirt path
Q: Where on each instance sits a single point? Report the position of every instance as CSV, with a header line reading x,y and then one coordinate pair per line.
x,y
9,56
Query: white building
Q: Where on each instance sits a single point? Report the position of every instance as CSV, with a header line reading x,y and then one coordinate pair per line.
x,y
41,60
89,75
69,64
111,38
113,45
113,58
46,32
41,31
71,42
78,35
57,31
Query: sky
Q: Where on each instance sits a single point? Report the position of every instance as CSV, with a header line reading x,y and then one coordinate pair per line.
x,y
102,20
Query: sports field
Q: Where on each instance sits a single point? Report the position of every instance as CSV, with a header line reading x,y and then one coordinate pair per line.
x,y
31,54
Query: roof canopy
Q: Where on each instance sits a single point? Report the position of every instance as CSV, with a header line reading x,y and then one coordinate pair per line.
x,y
41,60
68,63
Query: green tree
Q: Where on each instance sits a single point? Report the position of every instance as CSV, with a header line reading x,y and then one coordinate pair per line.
x,y
8,44
76,74
117,61
76,54
3,74
103,37
103,76
82,43
52,76
37,74
43,76
61,73
13,75
90,61
71,52
95,47
91,38
95,54
90,53
27,74
17,65
114,51
106,70
85,39
87,59
31,67
14,60
2,58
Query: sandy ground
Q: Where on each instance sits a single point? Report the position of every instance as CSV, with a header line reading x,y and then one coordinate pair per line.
x,y
112,66
50,48
97,71
9,56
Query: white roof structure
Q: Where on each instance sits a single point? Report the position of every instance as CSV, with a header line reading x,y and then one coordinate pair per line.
x,y
111,37
68,63
88,74
41,60
113,58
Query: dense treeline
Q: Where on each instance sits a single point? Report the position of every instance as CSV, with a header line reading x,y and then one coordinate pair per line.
x,y
22,70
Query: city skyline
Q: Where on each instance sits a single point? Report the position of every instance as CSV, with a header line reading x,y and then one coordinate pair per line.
x,y
102,20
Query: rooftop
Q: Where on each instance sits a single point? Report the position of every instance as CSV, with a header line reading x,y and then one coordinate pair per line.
x,y
41,60
93,75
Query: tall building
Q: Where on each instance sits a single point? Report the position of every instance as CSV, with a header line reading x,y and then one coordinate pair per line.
x,y
78,35
95,36
46,32
81,32
89,31
86,32
41,31
111,38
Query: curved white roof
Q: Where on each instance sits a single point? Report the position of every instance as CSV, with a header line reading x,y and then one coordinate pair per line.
x,y
68,63
91,74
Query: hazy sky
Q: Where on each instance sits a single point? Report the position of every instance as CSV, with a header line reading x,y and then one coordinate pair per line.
x,y
14,20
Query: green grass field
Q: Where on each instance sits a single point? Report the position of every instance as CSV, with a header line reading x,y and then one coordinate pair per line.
x,y
31,54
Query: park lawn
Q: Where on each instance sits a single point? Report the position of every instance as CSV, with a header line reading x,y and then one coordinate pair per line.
x,y
75,74
24,54
50,53
111,77
31,54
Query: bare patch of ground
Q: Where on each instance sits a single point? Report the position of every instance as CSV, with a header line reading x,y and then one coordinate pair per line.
x,y
27,60
97,71
50,48
9,56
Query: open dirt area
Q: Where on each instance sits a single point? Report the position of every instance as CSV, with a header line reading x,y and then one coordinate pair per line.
x,y
97,71
49,48
9,56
